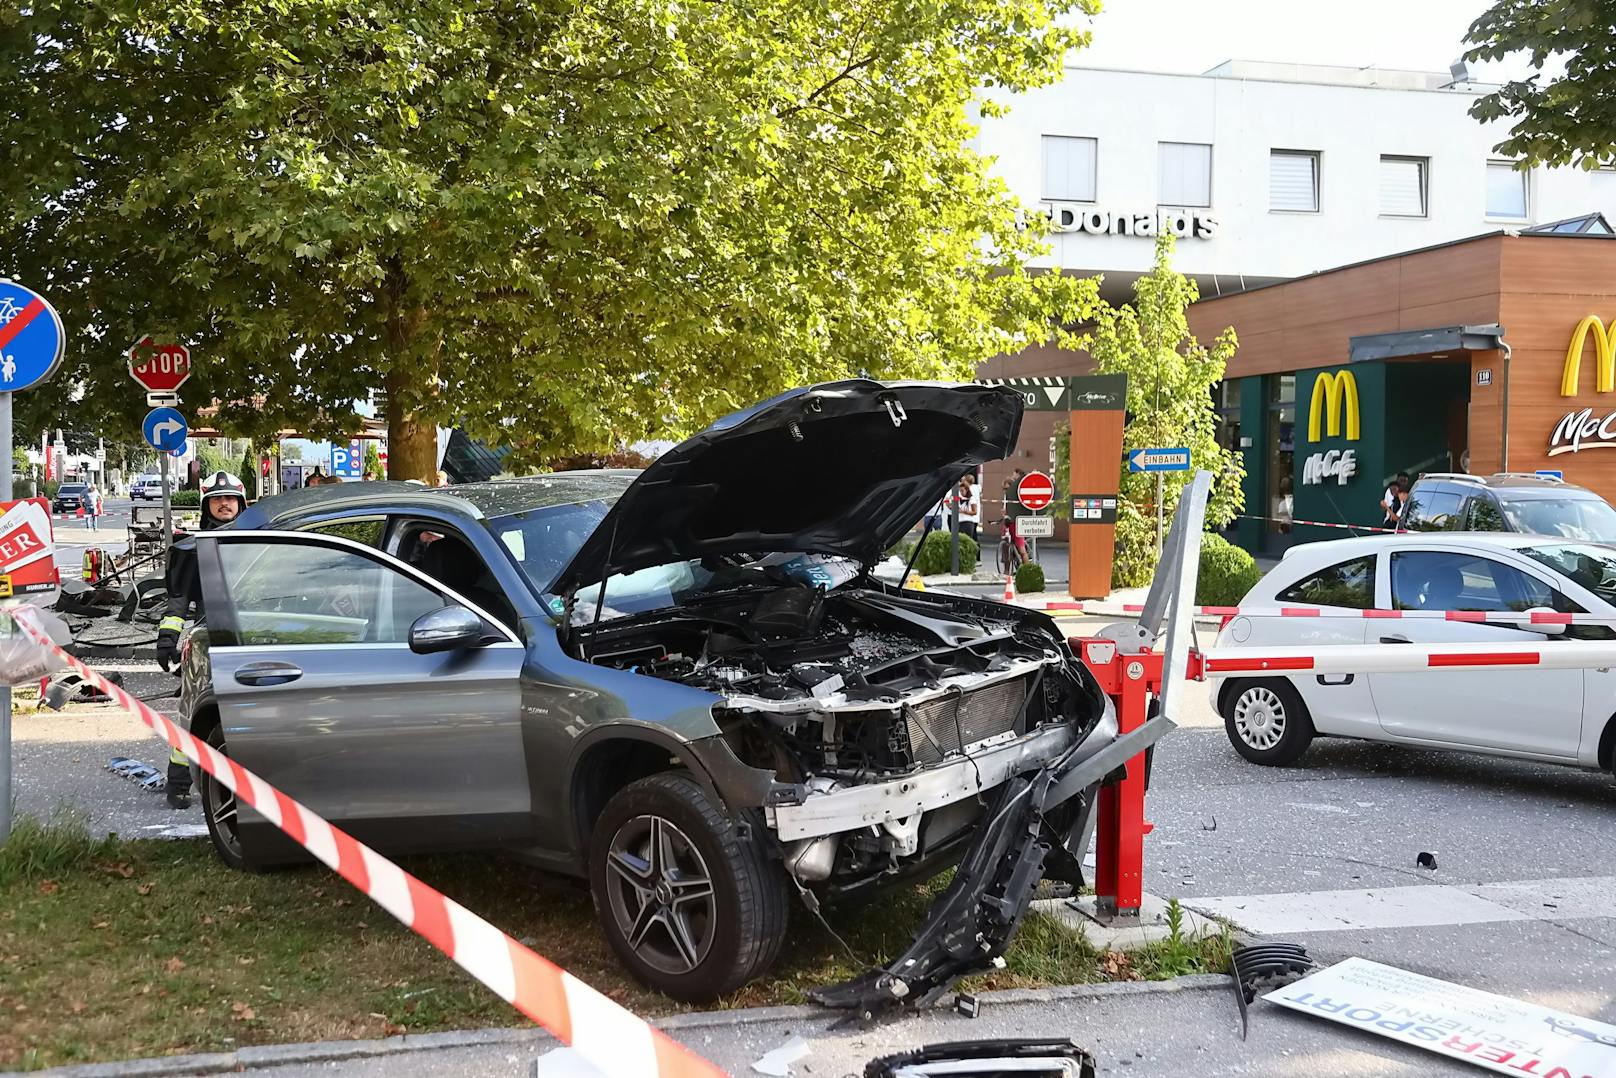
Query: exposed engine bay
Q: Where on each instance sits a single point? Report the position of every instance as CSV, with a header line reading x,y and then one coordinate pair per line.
x,y
839,688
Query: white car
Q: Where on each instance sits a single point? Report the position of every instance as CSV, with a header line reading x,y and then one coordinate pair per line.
x,y
1553,716
148,488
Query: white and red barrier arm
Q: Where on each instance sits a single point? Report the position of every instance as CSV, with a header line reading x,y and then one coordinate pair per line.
x,y
1402,658
598,1029
1491,617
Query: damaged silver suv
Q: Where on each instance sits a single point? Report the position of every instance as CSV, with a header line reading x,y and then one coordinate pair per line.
x,y
683,683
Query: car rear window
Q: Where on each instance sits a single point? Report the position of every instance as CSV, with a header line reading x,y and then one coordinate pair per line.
x,y
1350,584
1588,519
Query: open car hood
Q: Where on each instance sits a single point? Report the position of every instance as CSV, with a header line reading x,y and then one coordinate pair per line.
x,y
843,468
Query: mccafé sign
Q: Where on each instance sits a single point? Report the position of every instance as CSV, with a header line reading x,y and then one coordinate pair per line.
x,y
1335,393
1579,430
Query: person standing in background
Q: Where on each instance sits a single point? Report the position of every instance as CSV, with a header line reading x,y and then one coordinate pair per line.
x,y
1395,501
92,507
970,505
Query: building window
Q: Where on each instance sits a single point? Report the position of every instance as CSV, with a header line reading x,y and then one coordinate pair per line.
x,y
1506,191
1186,174
1293,181
1069,168
1403,186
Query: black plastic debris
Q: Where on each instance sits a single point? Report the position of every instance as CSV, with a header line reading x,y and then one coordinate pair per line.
x,y
1426,860
968,1005
988,1059
1263,967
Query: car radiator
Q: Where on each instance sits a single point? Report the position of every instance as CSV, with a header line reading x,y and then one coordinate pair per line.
x,y
945,726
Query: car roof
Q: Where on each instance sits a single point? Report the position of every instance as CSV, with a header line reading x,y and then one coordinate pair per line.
x,y
474,501
1330,551
1529,486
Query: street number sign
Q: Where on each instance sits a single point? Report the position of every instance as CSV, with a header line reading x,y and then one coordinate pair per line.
x,y
159,368
1035,491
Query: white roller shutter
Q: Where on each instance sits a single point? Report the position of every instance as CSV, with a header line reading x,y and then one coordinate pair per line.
x,y
1186,174
1402,186
1293,181
1069,168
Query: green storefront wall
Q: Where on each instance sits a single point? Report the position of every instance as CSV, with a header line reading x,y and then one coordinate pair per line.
x,y
1402,426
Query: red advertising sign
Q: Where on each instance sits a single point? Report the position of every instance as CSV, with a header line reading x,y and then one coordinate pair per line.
x,y
159,368
27,556
1035,491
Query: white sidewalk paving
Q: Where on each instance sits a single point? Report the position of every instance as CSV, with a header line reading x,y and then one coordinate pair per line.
x,y
1417,906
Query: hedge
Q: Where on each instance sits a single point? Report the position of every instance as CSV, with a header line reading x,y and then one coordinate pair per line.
x,y
935,556
1029,577
1226,572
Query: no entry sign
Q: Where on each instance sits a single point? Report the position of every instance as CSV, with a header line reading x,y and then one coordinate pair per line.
x,y
1035,491
159,368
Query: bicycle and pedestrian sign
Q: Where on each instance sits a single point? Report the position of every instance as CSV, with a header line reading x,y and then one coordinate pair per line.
x,y
1159,460
32,341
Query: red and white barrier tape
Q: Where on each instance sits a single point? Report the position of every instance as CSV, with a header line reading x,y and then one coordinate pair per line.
x,y
1404,658
1324,524
598,1029
1508,617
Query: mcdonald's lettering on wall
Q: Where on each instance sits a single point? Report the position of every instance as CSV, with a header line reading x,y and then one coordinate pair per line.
x,y
1333,393
1582,429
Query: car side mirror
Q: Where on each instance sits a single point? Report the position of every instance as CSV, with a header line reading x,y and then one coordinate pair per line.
x,y
449,628
1547,628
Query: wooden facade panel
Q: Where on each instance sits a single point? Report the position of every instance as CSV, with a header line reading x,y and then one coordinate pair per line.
x,y
1450,274
1467,311
1559,265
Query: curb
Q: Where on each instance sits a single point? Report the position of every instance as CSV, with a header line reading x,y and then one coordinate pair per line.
x,y
269,1055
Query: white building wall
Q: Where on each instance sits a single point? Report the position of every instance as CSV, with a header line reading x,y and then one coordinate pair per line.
x,y
1350,126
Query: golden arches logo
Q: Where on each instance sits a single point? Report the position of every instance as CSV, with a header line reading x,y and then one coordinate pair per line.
x,y
1604,357
1333,392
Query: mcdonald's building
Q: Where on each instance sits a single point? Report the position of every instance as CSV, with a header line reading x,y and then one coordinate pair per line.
x,y
1489,354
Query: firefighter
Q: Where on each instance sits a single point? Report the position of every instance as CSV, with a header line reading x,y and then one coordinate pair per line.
x,y
223,498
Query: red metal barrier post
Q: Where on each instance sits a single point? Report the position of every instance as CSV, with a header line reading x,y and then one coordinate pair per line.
x,y
1130,680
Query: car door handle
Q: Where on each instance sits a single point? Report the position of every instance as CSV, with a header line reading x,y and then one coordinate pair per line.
x,y
268,673
1395,640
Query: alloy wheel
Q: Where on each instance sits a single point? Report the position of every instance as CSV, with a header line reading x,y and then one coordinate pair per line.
x,y
661,894
1259,717
222,806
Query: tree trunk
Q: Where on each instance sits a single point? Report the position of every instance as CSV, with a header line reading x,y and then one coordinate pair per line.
x,y
412,387
412,435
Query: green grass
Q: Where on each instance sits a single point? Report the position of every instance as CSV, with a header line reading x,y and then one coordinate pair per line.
x,y
113,949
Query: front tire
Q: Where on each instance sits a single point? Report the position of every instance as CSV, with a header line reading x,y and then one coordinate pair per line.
x,y
1267,722
221,810
688,898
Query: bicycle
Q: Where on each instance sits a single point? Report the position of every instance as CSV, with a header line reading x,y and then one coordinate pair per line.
x,y
1009,557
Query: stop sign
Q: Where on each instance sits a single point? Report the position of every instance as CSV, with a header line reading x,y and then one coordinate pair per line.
x,y
159,368
1035,491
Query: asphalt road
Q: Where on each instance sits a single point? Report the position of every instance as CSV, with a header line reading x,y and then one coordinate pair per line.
x,y
1522,902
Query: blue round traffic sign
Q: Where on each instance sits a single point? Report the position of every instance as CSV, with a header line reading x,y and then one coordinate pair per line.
x,y
31,338
164,429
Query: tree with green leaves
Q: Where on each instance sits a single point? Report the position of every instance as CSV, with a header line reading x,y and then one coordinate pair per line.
x,y
564,227
1170,380
1560,120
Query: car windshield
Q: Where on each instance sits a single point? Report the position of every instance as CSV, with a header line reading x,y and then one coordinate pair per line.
x,y
1589,519
71,488
543,541
1594,567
